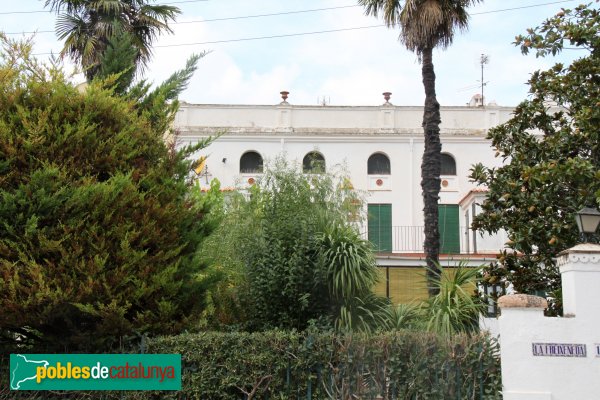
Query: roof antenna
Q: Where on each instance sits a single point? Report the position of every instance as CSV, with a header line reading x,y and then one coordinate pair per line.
x,y
323,101
485,59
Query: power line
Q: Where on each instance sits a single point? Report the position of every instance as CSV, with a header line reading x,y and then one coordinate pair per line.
x,y
256,38
521,7
224,18
48,11
269,15
186,1
252,16
318,32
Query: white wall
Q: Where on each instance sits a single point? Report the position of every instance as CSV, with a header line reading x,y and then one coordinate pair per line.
x,y
346,136
526,376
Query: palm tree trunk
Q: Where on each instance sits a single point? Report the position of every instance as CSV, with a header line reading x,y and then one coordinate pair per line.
x,y
430,170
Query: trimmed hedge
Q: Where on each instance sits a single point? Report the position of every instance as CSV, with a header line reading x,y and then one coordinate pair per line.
x,y
293,365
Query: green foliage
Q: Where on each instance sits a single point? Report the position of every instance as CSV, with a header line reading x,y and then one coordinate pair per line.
x,y
291,365
351,272
348,260
118,61
88,27
405,316
292,254
367,313
425,25
552,156
160,104
285,289
98,228
455,309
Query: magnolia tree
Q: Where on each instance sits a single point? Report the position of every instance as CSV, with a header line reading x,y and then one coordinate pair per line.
x,y
551,149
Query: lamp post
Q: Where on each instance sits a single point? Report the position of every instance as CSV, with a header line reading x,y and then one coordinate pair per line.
x,y
587,219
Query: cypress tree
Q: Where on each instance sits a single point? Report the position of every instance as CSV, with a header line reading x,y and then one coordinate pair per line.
x,y
99,226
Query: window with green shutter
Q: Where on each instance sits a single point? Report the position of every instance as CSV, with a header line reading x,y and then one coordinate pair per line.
x,y
380,226
449,229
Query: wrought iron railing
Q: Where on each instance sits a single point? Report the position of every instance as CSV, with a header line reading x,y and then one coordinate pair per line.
x,y
409,239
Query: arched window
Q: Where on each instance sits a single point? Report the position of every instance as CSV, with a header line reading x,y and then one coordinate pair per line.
x,y
251,163
448,165
378,164
313,162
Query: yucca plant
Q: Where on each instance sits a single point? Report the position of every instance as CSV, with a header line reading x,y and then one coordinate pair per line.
x,y
351,273
349,262
366,314
405,316
454,309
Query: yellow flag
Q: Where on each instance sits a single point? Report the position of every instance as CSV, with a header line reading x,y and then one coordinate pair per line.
x,y
201,164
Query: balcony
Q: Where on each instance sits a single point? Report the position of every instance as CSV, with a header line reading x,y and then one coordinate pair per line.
x,y
409,239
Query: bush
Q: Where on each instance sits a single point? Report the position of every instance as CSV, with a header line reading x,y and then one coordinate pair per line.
x,y
309,365
293,256
98,226
293,365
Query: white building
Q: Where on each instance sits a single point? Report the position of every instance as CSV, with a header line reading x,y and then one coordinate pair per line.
x,y
381,148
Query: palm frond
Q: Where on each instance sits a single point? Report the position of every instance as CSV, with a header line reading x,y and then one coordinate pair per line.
x,y
423,23
70,24
389,10
349,262
108,7
455,309
405,316
364,314
158,12
88,25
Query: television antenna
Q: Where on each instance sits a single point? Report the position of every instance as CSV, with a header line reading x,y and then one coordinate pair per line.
x,y
323,101
485,59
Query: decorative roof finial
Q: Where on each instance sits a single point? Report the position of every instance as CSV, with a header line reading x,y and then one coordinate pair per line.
x,y
387,96
284,96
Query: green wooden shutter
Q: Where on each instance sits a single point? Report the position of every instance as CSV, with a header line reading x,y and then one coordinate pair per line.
x,y
380,226
449,229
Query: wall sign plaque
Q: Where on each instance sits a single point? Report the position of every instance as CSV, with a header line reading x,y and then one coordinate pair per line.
x,y
559,350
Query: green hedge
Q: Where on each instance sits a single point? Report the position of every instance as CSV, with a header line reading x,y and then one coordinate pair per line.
x,y
292,365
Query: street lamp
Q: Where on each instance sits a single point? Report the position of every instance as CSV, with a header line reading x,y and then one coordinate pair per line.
x,y
587,219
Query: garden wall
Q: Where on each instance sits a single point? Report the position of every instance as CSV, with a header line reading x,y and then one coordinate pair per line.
x,y
550,358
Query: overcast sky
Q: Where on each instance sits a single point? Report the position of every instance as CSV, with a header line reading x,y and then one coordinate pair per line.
x,y
350,67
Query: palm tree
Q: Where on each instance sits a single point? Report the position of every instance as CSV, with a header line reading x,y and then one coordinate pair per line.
x,y
88,26
425,25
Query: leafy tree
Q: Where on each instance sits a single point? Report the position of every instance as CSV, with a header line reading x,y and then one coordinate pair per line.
x,y
99,229
425,25
295,254
551,149
89,26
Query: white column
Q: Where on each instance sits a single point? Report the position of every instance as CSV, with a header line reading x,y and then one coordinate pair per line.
x,y
580,270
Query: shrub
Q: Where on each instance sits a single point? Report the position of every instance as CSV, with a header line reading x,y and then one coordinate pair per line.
x,y
293,365
293,255
98,226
